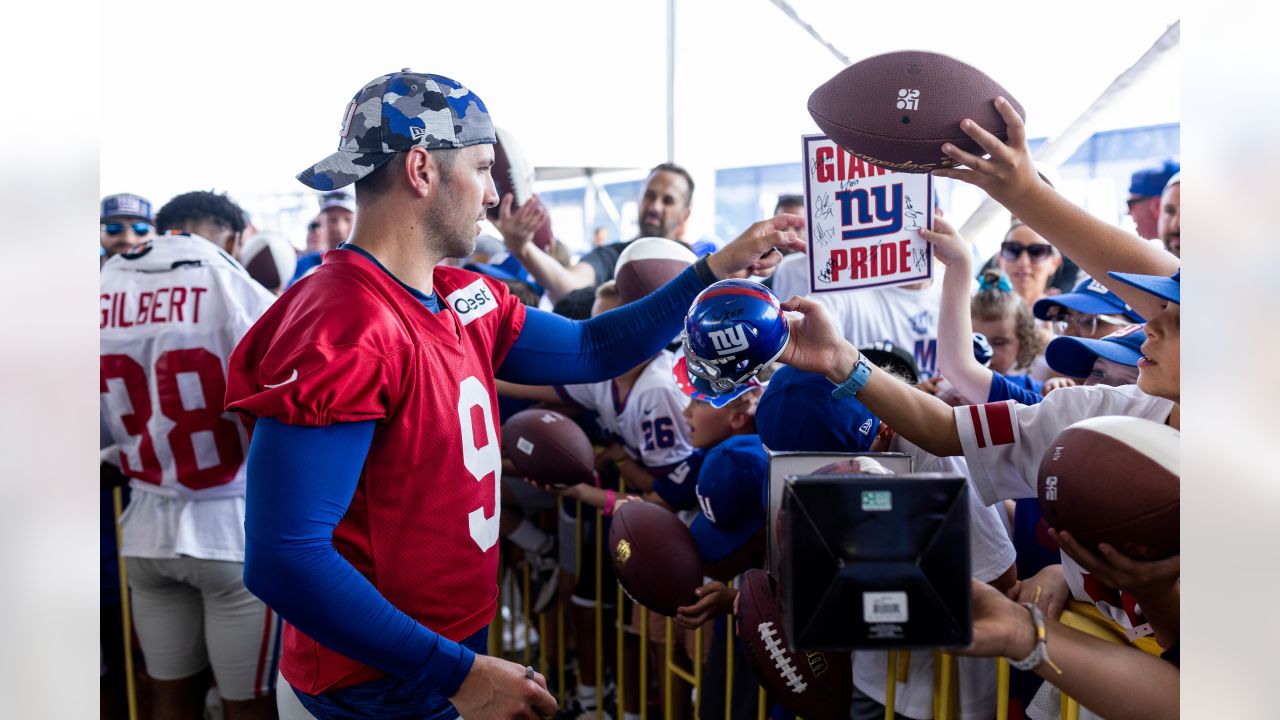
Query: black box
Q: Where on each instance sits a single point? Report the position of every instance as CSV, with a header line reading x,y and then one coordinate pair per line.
x,y
875,561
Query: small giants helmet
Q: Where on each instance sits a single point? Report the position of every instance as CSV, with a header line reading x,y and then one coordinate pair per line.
x,y
733,329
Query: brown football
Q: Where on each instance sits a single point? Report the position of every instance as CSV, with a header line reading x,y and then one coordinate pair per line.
x,y
654,557
649,263
548,448
896,110
1114,480
817,685
512,173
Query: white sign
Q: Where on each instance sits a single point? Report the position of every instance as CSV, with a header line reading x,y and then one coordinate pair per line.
x,y
863,221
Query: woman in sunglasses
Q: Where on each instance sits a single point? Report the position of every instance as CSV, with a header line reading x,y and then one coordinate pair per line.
x,y
1029,261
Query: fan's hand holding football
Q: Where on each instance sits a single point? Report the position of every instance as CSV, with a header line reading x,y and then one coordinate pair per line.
x,y
519,226
1114,569
1048,589
500,690
714,599
949,246
1009,172
1001,627
752,252
815,345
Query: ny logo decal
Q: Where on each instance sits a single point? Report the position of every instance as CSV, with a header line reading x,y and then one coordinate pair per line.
x,y
730,340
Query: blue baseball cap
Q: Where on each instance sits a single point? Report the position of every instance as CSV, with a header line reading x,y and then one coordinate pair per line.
x,y
1150,182
1165,288
1073,356
700,389
729,492
797,413
126,205
1089,297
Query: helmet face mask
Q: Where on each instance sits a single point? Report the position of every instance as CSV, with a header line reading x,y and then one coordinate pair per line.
x,y
738,323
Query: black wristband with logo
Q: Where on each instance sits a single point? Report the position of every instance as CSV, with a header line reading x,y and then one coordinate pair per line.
x,y
704,270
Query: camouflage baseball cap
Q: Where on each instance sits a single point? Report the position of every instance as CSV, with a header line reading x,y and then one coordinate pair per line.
x,y
397,112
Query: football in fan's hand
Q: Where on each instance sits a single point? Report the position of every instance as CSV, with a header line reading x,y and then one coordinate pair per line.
x,y
548,448
649,263
654,557
896,110
817,685
512,173
1114,480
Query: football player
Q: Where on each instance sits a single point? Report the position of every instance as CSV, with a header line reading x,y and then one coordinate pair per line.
x,y
372,515
172,310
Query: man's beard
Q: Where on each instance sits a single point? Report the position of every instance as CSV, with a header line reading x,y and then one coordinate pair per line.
x,y
653,229
453,238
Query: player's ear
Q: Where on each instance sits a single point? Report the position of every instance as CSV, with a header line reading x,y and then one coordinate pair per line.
x,y
419,171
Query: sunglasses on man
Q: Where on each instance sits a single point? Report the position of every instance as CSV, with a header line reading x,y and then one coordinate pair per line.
x,y
141,229
1010,250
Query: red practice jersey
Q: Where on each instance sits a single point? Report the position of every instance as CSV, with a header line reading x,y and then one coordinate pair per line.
x,y
348,344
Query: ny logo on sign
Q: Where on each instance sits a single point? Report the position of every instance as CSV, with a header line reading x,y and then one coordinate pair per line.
x,y
888,210
730,340
908,99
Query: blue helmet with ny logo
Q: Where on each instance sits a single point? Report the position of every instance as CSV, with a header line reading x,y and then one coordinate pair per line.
x,y
733,329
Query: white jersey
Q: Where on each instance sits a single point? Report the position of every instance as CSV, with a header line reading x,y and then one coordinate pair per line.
x,y
1004,443
906,318
650,420
791,277
172,310
991,553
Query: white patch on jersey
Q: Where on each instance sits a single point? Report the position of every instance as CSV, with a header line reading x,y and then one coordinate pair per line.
x,y
206,449
781,658
190,391
472,302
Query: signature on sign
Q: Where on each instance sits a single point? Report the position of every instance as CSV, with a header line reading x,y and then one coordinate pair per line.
x,y
824,234
824,208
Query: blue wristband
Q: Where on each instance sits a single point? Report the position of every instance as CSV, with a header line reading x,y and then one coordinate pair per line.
x,y
857,379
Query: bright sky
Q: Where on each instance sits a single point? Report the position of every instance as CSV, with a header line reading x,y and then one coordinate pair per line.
x,y
244,95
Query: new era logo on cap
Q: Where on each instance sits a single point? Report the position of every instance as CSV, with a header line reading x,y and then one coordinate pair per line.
x,y
394,113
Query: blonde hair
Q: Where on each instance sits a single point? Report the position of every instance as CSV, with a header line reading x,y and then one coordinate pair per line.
x,y
994,304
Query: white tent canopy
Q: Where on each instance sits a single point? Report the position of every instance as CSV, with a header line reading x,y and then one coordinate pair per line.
x,y
242,98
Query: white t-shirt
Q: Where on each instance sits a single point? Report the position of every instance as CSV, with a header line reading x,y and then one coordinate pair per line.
x,y
906,318
791,277
991,553
172,310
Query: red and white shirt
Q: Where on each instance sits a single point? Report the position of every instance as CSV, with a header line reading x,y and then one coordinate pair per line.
x,y
1004,443
347,344
171,311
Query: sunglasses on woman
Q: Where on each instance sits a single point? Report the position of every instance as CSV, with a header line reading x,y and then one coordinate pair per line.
x,y
1010,250
140,229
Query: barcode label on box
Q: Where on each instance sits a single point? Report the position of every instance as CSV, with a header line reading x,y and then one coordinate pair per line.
x,y
884,607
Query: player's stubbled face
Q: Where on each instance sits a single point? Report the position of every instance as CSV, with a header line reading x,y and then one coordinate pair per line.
x,y
708,426
466,189
1159,368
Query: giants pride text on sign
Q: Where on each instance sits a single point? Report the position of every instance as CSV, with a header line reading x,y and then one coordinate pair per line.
x,y
863,221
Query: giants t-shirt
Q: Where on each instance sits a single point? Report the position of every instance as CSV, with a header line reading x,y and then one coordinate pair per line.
x,y
906,318
348,343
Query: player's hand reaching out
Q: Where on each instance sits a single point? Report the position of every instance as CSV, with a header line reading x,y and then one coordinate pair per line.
x,y
714,599
1009,172
496,689
519,226
752,252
